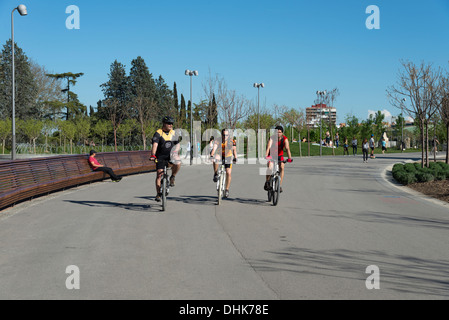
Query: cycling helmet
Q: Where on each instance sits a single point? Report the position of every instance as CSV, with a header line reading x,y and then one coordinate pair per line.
x,y
168,119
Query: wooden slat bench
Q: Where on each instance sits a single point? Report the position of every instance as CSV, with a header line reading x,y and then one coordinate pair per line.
x,y
29,178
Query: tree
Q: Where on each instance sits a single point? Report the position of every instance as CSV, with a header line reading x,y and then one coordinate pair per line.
x,y
422,87
48,102
102,128
331,98
143,93
182,114
5,132
32,129
117,92
68,130
25,85
164,98
72,106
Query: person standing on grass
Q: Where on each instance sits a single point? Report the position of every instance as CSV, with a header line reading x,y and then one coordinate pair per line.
x,y
345,147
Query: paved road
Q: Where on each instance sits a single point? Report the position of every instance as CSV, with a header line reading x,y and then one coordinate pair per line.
x,y
336,217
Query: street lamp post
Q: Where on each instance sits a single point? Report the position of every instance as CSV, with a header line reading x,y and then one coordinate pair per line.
x,y
23,12
258,86
402,125
191,73
321,95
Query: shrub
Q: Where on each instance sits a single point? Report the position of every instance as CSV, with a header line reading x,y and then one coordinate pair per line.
x,y
397,167
424,176
410,167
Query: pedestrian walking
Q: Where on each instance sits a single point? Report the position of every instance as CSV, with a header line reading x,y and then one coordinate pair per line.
x,y
365,148
371,145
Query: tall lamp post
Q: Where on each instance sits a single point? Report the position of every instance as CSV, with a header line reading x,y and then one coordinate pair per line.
x,y
191,73
23,12
402,125
321,95
258,86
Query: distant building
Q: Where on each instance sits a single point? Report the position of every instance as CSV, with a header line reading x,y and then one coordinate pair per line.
x,y
327,113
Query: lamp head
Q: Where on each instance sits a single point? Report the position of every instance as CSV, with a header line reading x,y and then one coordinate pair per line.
x,y
195,72
187,72
22,10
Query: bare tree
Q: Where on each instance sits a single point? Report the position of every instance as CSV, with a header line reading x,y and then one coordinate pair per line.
x,y
421,86
232,107
444,110
331,97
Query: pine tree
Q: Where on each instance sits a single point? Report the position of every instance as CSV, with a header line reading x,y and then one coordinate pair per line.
x,y
143,95
25,85
182,113
73,106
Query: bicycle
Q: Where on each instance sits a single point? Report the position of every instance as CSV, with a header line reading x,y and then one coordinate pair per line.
x,y
165,184
221,181
275,182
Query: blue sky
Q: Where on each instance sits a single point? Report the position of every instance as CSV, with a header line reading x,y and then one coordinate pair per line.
x,y
294,47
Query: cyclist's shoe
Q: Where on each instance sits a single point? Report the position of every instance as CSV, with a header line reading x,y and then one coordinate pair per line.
x,y
266,187
172,181
158,197
280,190
215,177
226,195
117,180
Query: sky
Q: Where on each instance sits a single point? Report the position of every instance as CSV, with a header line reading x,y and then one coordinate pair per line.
x,y
294,47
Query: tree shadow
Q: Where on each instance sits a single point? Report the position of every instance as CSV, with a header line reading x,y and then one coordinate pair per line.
x,y
140,207
401,273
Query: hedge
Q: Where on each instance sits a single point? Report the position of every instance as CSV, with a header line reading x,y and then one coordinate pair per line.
x,y
412,172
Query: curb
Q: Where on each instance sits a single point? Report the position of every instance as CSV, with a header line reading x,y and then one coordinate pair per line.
x,y
388,179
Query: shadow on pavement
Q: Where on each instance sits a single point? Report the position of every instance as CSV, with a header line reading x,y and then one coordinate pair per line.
x,y
422,276
127,206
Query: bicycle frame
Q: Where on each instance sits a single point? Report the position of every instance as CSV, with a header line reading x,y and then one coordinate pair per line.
x,y
165,185
221,182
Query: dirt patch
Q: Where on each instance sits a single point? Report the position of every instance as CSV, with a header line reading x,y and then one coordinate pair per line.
x,y
436,189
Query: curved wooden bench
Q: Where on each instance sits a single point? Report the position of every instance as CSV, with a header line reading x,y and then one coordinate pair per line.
x,y
25,179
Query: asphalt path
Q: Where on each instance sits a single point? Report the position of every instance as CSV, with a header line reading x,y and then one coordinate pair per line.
x,y
336,217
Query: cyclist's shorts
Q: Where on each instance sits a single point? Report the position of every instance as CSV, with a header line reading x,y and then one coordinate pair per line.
x,y
161,160
228,162
280,158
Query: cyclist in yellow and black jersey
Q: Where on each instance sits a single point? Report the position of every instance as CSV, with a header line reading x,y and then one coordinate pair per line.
x,y
165,149
228,151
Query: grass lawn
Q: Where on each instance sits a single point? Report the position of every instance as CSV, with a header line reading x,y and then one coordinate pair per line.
x,y
326,151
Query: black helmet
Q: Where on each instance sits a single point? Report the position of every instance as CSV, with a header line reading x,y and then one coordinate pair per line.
x,y
168,119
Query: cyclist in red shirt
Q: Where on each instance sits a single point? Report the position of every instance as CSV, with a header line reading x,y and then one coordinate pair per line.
x,y
282,143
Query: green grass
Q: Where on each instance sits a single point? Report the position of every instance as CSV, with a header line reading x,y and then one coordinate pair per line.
x,y
315,150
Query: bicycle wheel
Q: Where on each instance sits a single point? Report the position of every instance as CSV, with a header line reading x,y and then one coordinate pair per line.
x,y
220,188
276,190
164,192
